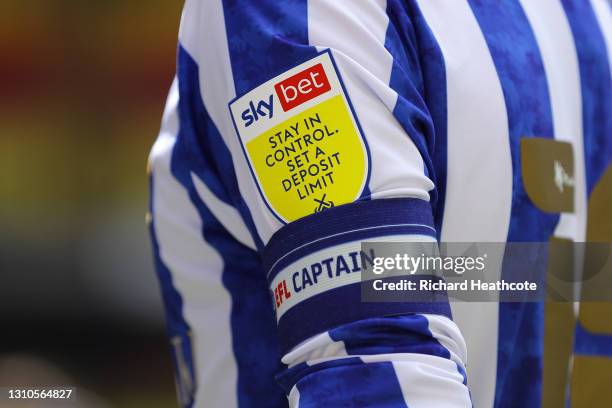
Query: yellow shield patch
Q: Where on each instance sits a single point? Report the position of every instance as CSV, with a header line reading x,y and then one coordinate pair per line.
x,y
302,140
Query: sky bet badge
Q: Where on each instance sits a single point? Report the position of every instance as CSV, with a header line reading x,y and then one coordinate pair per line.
x,y
302,140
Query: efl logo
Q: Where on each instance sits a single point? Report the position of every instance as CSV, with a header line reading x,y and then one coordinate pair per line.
x,y
280,292
302,87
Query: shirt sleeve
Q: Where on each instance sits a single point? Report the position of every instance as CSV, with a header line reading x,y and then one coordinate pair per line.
x,y
326,142
216,303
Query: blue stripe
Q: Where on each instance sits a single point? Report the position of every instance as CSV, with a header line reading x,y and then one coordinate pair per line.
x,y
350,222
592,344
339,306
211,159
519,66
289,377
265,39
595,87
434,92
418,60
596,92
176,324
396,334
367,385
418,76
253,326
464,375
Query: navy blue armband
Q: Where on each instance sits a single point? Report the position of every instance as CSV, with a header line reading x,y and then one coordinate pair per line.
x,y
313,265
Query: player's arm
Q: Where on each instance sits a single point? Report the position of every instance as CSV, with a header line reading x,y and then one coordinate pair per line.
x,y
273,73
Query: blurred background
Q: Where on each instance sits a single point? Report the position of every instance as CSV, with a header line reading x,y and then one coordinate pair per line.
x,y
82,91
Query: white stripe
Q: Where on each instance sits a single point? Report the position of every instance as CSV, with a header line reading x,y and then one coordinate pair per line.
x,y
557,48
363,44
204,37
196,272
446,332
356,32
479,171
294,397
428,381
603,13
318,348
556,43
226,214
383,358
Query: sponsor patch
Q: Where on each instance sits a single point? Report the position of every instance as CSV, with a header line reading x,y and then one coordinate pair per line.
x,y
302,140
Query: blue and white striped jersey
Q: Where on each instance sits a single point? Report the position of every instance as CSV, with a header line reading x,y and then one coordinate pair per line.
x,y
295,130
